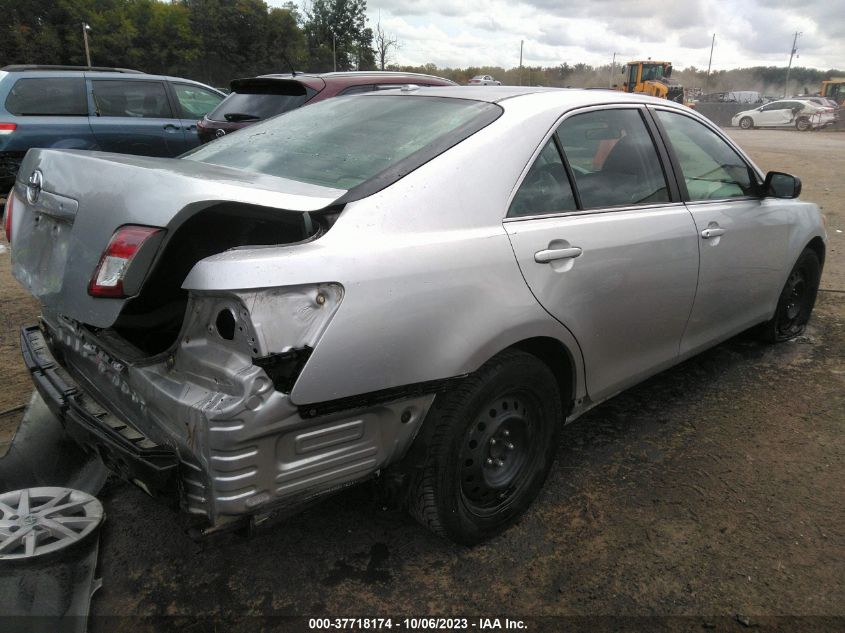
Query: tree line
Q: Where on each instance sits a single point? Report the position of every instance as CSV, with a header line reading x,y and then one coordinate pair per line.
x,y
214,41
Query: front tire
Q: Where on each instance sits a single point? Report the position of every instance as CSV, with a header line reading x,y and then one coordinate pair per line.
x,y
796,300
746,123
488,443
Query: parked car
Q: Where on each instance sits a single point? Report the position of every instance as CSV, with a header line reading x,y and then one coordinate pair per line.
x,y
801,114
370,287
257,98
484,80
109,109
735,96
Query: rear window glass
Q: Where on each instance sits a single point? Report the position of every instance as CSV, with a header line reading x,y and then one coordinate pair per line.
x,y
345,141
48,96
261,101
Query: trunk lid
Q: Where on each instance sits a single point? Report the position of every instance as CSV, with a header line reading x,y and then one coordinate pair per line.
x,y
62,226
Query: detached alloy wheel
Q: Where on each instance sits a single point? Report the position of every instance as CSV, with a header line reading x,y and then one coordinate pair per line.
x,y
746,123
796,300
488,445
36,522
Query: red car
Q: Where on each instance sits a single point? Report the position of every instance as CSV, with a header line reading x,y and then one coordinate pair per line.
x,y
258,98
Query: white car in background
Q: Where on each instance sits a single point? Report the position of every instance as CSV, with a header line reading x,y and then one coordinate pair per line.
x,y
801,114
484,80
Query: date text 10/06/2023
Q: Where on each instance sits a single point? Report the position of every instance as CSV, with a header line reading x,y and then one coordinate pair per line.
x,y
416,624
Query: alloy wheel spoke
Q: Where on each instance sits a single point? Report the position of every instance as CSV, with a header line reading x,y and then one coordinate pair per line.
x,y
58,530
10,543
30,541
67,506
75,522
23,503
52,503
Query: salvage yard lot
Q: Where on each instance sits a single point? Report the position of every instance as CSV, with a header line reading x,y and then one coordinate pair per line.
x,y
713,489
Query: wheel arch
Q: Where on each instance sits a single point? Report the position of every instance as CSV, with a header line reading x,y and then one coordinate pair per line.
x,y
560,361
817,246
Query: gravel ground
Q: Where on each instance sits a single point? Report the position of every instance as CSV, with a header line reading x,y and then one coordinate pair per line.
x,y
714,490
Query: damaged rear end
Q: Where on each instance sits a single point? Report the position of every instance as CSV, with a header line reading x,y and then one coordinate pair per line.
x,y
184,393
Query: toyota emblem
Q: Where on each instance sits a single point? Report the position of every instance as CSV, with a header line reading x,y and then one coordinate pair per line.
x,y
33,186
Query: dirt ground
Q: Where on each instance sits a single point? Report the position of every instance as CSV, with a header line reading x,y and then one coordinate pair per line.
x,y
713,491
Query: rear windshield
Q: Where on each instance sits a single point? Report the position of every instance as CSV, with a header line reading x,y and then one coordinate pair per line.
x,y
346,141
261,101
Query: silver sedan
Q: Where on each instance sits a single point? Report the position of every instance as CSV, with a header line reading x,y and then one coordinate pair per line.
x,y
422,285
484,80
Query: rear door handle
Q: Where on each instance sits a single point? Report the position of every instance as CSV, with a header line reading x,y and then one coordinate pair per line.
x,y
708,233
554,254
170,126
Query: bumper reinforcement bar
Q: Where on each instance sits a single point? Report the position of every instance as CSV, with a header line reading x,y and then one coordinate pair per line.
x,y
125,451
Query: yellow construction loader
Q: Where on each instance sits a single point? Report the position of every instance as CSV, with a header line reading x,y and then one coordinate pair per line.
x,y
652,78
834,89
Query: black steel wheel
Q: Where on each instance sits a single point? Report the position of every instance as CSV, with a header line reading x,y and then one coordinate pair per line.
x,y
746,123
488,445
796,299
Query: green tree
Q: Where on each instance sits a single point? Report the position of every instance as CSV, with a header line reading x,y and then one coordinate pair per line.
x,y
337,30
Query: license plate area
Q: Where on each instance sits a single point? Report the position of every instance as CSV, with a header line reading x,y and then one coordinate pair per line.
x,y
41,243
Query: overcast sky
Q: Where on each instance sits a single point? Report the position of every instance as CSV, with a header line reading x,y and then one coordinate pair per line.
x,y
460,33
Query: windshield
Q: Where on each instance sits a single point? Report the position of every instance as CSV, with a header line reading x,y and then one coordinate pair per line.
x,y
652,72
346,141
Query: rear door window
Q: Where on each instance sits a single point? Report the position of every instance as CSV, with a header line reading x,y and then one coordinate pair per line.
x,y
48,96
546,188
613,159
141,99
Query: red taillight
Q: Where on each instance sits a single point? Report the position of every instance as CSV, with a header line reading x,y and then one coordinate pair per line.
x,y
7,216
7,128
107,280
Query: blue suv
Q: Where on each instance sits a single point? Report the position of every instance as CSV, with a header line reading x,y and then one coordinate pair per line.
x,y
107,109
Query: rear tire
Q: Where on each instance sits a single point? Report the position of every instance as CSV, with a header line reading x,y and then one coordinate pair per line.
x,y
796,300
802,124
488,443
746,123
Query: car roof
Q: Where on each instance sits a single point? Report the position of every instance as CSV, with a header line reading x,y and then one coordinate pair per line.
x,y
355,75
23,71
574,97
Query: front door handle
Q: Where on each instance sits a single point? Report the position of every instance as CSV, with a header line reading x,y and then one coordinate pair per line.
x,y
712,232
170,126
554,254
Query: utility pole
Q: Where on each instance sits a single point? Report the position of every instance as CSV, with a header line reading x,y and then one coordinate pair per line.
x,y
85,29
789,68
334,50
521,42
612,71
710,63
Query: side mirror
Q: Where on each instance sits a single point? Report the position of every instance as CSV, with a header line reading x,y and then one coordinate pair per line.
x,y
780,185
